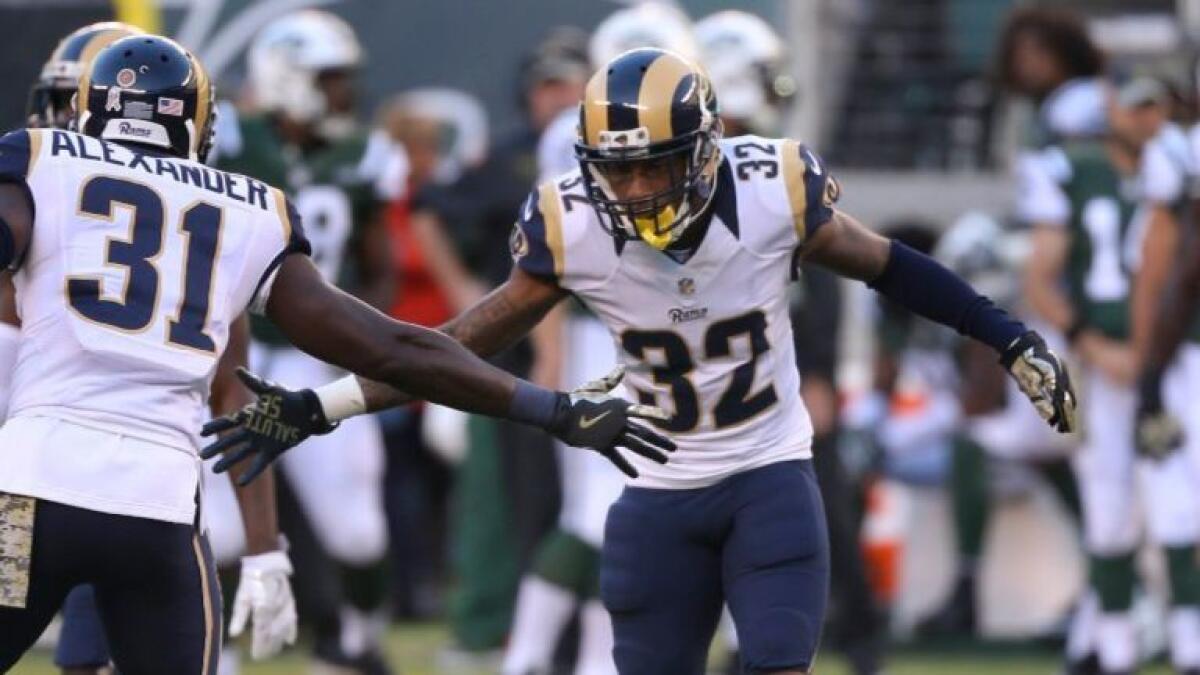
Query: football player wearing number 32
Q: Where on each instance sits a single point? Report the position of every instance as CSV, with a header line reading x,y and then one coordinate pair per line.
x,y
132,261
683,243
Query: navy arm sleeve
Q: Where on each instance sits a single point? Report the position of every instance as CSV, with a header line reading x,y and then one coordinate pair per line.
x,y
926,288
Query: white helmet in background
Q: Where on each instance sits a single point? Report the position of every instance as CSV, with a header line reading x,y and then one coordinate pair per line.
x,y
745,59
648,24
978,248
289,53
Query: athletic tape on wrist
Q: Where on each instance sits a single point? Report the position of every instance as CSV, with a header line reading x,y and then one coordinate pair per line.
x,y
342,399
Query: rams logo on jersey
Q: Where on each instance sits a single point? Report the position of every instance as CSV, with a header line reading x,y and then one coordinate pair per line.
x,y
518,245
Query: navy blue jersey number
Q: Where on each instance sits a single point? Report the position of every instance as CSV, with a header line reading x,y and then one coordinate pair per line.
x,y
135,309
736,404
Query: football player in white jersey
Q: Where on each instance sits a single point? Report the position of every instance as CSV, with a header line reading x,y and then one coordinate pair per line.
x,y
684,243
82,647
564,575
132,262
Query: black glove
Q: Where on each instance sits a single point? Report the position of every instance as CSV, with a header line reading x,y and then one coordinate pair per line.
x,y
1156,432
588,417
279,420
1042,377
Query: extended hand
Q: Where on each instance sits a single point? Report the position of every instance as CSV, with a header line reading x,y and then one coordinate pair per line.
x,y
264,597
1042,377
279,420
588,417
1156,432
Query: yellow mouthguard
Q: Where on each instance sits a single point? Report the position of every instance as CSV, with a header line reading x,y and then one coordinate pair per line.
x,y
647,227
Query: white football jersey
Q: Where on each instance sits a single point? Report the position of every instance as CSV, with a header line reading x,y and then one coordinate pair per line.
x,y
138,265
708,339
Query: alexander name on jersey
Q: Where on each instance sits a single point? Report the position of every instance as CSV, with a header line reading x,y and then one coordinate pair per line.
x,y
236,187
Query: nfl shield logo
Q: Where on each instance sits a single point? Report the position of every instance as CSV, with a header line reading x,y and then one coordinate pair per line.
x,y
687,286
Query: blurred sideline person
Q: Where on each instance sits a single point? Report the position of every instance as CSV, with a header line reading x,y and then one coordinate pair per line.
x,y
1000,447
419,478
747,62
464,228
302,136
563,579
1088,233
1046,55
82,646
690,243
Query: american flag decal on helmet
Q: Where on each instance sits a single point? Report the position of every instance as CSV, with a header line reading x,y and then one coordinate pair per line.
x,y
170,106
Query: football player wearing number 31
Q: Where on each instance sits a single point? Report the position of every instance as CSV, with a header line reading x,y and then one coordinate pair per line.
x,y
132,262
683,243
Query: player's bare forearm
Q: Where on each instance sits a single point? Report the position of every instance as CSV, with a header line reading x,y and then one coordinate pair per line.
x,y
339,329
1176,310
256,501
493,324
1043,275
1160,249
848,248
8,301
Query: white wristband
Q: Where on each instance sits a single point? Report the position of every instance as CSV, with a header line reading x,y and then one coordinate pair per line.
x,y
341,399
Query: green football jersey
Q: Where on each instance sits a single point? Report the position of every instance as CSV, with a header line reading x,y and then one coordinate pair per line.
x,y
1103,211
337,188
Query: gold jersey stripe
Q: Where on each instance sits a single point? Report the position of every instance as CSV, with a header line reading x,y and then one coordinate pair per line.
x,y
551,208
656,95
794,170
35,149
284,218
206,666
595,108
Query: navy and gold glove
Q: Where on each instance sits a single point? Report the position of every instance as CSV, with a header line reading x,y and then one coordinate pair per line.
x,y
1156,432
589,417
1042,377
279,420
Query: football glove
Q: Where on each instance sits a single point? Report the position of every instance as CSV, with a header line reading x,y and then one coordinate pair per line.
x,y
264,598
279,420
1041,376
588,417
1157,432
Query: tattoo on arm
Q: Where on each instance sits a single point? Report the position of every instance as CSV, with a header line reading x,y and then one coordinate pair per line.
x,y
848,248
492,325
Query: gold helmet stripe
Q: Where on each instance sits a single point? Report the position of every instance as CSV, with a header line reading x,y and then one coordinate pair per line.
x,y
203,100
794,171
595,108
660,82
551,208
100,41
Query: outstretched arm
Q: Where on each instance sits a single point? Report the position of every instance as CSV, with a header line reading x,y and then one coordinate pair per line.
x,y
490,326
339,329
928,289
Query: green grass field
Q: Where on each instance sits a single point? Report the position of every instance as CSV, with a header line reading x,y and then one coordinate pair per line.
x,y
415,650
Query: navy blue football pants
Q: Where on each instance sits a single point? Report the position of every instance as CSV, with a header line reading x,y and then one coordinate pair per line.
x,y
756,540
155,583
